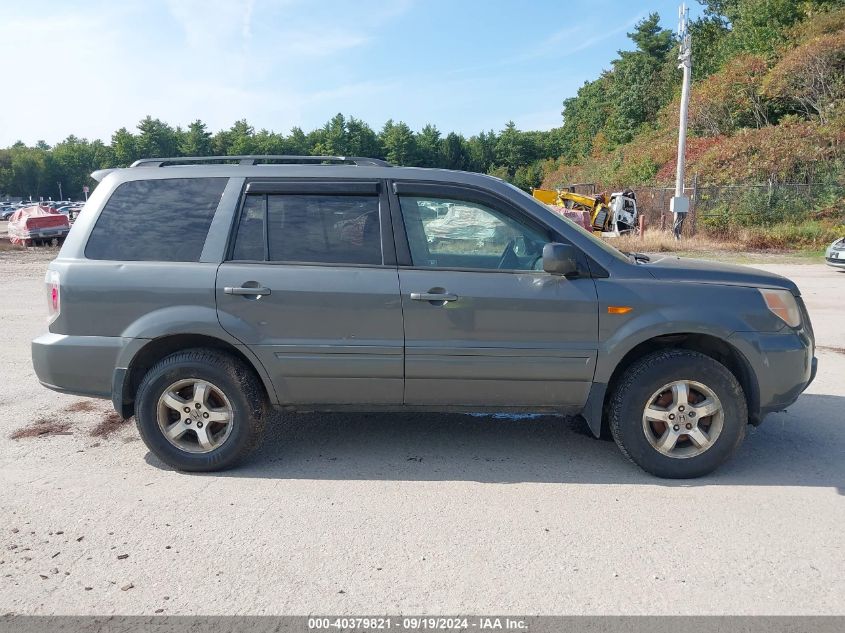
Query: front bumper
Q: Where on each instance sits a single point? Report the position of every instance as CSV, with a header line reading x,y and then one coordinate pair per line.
x,y
834,261
783,363
82,365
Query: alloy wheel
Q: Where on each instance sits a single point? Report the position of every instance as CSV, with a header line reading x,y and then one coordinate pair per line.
x,y
683,419
195,415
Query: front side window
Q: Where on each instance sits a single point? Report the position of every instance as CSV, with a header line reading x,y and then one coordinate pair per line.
x,y
325,229
163,220
450,233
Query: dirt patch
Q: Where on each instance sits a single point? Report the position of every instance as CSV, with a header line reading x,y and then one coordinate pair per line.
x,y
82,406
6,245
838,350
110,424
42,427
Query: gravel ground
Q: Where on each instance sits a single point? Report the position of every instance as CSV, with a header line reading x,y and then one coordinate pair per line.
x,y
413,513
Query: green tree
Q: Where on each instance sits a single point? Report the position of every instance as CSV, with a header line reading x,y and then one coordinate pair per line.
x,y
651,40
124,146
481,150
361,139
242,138
513,148
297,143
156,138
428,147
28,172
196,140
334,139
399,143
709,35
72,162
454,154
528,177
584,115
267,142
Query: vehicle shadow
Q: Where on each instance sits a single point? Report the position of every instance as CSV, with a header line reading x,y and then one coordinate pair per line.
x,y
801,447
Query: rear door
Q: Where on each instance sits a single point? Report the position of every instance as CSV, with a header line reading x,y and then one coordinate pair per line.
x,y
485,326
310,285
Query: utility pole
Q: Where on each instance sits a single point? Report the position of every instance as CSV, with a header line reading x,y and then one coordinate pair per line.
x,y
60,190
680,203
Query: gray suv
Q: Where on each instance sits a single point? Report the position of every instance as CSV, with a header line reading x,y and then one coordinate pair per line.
x,y
199,293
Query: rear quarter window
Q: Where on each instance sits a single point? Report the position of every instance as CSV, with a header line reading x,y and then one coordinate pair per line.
x,y
156,220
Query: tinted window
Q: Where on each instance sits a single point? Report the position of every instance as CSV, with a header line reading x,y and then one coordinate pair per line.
x,y
249,241
448,233
328,229
156,220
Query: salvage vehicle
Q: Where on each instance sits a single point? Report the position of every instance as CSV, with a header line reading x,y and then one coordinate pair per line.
x,y
611,215
199,293
835,254
37,224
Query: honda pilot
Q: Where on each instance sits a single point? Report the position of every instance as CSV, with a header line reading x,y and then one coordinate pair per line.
x,y
198,294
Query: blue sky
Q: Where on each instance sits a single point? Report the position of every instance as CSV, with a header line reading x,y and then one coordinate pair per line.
x,y
88,68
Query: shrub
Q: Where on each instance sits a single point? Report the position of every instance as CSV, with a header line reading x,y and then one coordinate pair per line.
x,y
811,75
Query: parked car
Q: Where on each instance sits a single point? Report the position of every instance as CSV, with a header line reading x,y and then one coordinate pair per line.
x,y
37,224
199,296
835,254
6,213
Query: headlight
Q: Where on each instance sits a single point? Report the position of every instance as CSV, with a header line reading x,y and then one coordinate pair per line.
x,y
783,305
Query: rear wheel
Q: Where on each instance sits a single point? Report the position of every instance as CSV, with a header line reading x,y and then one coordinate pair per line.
x,y
678,414
200,410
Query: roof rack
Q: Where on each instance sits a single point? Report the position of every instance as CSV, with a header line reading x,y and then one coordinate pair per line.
x,y
252,159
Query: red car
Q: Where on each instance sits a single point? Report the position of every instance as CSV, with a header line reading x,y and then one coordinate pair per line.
x,y
36,224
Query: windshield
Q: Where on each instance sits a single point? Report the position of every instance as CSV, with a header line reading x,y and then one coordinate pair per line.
x,y
607,248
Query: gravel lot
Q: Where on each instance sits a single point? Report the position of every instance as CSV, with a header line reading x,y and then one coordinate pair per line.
x,y
413,513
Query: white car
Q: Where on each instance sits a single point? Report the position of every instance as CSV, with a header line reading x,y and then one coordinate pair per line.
x,y
835,254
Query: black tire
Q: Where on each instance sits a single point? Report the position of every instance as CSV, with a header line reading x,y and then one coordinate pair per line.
x,y
648,374
239,384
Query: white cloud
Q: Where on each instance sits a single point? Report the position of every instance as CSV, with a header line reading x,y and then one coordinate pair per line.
x,y
218,60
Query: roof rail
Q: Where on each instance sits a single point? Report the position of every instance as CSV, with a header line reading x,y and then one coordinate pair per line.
x,y
252,159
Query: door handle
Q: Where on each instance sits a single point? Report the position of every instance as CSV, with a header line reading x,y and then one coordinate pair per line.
x,y
433,296
246,291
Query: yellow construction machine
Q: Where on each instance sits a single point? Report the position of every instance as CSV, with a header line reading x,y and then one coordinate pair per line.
x,y
610,214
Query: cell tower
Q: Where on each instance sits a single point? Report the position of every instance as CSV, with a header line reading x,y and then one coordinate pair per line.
x,y
680,202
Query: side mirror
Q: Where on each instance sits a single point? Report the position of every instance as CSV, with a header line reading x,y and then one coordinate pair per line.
x,y
560,259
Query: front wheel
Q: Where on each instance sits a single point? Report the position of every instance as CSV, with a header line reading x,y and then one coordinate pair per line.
x,y
678,414
200,410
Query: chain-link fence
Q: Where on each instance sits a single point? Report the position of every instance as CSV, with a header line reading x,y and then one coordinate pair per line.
x,y
721,206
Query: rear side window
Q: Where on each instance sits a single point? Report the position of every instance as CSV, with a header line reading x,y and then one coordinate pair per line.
x,y
156,220
324,229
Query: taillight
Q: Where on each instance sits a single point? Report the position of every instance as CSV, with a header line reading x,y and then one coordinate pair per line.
x,y
54,297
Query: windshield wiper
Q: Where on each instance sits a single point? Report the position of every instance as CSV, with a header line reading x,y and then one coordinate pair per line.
x,y
639,257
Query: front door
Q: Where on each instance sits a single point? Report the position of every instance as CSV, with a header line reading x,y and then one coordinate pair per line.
x,y
484,325
310,287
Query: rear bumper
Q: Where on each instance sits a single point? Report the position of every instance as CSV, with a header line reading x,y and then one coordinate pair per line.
x,y
82,365
783,363
39,234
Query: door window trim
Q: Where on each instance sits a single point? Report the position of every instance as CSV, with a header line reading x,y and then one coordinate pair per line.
x,y
317,186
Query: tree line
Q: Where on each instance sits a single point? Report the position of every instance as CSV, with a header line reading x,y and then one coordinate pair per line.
x,y
511,153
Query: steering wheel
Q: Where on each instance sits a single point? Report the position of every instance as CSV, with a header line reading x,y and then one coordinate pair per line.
x,y
508,258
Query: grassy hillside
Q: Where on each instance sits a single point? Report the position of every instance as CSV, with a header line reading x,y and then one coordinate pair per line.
x,y
774,112
767,106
